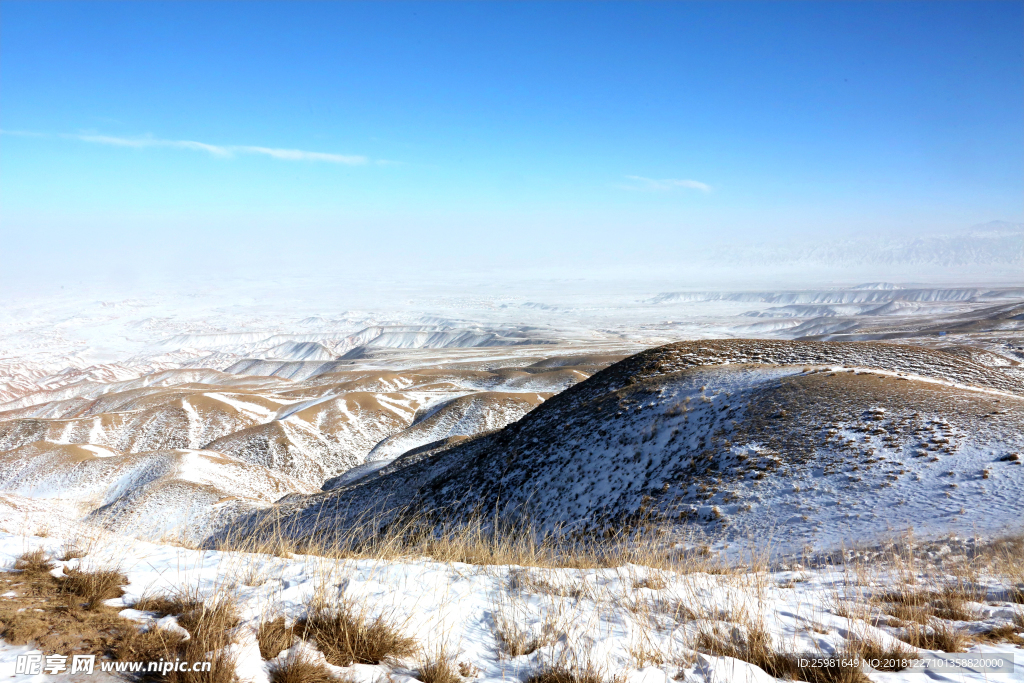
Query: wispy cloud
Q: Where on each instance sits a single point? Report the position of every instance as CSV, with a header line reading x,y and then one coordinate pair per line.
x,y
22,133
301,155
215,150
137,143
641,183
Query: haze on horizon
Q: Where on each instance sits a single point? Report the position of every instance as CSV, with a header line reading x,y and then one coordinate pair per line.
x,y
203,140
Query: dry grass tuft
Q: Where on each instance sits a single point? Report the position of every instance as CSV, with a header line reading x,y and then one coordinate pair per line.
x,y
1004,558
908,604
299,667
164,604
41,611
1006,633
567,673
219,613
49,613
869,648
469,670
70,551
644,655
676,609
834,673
209,624
253,574
937,636
34,562
478,540
21,629
755,647
525,580
273,637
653,581
516,641
441,669
346,635
151,646
96,585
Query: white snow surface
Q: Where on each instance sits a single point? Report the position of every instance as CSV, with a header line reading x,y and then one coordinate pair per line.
x,y
593,612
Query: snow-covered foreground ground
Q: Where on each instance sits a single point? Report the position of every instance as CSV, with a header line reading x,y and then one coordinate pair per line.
x,y
629,623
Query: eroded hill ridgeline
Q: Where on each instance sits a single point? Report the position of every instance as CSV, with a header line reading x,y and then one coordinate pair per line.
x,y
740,437
181,452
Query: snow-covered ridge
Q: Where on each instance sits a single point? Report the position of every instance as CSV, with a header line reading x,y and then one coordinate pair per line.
x,y
995,246
854,295
743,436
445,335
77,344
127,451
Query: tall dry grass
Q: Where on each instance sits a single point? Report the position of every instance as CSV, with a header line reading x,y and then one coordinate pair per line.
x,y
485,541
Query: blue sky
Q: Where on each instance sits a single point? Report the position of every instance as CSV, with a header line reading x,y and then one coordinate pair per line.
x,y
384,133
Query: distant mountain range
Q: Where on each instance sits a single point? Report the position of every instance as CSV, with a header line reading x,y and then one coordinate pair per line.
x,y
998,243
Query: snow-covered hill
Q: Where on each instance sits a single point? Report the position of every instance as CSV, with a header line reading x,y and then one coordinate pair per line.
x,y
810,442
191,449
339,399
172,494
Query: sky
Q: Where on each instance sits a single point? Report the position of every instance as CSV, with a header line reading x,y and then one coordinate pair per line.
x,y
375,138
